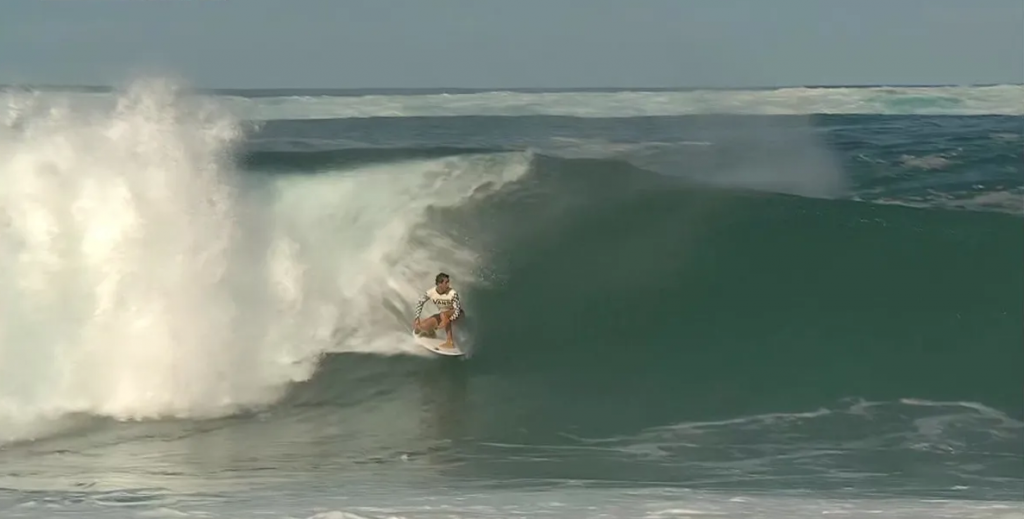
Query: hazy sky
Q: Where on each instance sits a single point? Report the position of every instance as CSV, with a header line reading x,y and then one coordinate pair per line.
x,y
513,43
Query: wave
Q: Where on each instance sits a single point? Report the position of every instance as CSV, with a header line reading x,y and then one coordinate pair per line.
x,y
146,274
640,328
610,285
933,100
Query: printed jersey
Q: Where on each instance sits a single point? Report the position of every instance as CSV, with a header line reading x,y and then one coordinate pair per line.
x,y
446,301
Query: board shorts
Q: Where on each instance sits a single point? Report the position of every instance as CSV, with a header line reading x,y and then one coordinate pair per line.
x,y
461,314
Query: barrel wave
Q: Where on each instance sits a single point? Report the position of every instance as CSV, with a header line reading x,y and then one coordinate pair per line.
x,y
616,303
604,279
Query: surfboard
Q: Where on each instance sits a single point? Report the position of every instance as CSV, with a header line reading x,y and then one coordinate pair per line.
x,y
434,344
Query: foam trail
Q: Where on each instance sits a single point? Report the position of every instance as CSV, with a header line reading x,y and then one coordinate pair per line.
x,y
141,276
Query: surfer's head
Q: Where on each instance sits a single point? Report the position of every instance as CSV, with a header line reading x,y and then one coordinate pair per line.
x,y
442,281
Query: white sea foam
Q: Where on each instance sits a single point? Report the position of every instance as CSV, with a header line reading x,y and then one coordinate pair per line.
x,y
141,276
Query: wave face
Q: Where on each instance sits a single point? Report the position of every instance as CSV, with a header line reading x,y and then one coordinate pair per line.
x,y
751,301
677,304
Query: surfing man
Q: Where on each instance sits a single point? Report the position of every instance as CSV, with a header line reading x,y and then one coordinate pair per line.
x,y
447,301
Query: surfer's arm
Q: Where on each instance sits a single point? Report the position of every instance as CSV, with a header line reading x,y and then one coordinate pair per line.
x,y
419,306
457,306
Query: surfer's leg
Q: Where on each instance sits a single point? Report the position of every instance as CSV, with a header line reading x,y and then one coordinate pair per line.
x,y
446,323
428,325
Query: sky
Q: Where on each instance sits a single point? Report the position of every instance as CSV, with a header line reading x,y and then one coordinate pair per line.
x,y
512,43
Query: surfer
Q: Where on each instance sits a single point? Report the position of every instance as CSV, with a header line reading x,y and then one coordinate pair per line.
x,y
447,301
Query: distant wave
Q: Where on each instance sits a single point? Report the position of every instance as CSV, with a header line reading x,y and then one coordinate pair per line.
x,y
935,100
1003,100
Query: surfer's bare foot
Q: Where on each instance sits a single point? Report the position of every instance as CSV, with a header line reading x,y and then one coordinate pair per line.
x,y
448,344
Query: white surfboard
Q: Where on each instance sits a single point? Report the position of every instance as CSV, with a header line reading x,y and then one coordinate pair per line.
x,y
434,344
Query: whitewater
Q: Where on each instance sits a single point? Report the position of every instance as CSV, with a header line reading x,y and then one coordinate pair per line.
x,y
206,298
145,278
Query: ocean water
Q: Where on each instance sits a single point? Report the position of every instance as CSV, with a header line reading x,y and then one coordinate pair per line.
x,y
680,304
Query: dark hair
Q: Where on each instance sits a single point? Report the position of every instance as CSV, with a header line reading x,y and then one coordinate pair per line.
x,y
438,279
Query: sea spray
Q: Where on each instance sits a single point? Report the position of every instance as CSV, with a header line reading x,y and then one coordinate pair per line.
x,y
142,276
122,288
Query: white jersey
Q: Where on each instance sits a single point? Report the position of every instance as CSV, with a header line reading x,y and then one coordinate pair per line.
x,y
444,302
